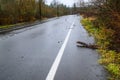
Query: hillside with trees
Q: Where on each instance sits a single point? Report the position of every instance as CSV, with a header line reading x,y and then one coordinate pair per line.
x,y
17,11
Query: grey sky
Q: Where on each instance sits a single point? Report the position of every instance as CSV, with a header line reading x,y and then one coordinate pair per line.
x,y
66,2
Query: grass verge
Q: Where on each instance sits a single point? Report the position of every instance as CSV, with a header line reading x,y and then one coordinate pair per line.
x,y
10,26
109,58
6,26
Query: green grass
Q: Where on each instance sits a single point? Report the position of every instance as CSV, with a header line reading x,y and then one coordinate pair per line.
x,y
5,26
10,26
110,59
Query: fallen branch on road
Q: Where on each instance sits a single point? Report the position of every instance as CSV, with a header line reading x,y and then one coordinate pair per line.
x,y
82,44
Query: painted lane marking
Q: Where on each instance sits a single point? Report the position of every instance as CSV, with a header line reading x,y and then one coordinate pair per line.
x,y
55,65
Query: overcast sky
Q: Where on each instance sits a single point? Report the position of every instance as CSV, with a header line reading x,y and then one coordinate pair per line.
x,y
66,2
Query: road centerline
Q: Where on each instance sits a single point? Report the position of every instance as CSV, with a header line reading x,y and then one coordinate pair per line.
x,y
56,63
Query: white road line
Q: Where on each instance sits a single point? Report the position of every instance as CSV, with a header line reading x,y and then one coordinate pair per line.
x,y
55,65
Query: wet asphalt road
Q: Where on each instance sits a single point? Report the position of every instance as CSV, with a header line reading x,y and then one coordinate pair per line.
x,y
29,53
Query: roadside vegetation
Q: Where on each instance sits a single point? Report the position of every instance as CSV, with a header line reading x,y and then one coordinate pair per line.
x,y
109,58
101,18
